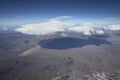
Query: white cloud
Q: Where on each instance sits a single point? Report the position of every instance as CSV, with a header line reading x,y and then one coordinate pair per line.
x,y
110,19
85,28
88,29
99,32
4,28
48,27
114,27
58,24
60,18
64,35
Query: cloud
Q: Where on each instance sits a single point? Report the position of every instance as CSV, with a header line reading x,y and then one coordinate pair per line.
x,y
60,18
64,35
59,24
110,19
4,28
88,29
42,28
85,28
114,27
99,31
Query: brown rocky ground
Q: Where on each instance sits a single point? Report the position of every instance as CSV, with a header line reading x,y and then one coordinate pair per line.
x,y
29,61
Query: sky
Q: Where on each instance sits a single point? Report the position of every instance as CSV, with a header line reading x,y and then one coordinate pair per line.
x,y
13,12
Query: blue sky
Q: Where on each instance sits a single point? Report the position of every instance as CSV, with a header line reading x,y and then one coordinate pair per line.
x,y
29,11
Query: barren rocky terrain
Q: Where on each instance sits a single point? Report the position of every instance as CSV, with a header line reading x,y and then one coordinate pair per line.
x,y
24,57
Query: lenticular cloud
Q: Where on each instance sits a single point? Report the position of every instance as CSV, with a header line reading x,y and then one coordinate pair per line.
x,y
58,24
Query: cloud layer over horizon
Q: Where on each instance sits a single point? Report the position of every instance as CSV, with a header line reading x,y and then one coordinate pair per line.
x,y
59,24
